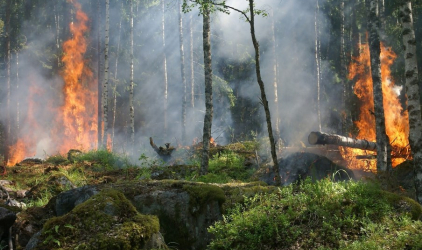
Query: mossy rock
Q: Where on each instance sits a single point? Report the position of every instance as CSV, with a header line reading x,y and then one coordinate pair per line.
x,y
54,185
178,172
107,220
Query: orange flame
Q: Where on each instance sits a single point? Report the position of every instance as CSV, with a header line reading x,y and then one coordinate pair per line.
x,y
77,116
396,119
75,125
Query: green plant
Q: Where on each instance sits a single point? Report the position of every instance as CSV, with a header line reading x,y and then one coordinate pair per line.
x,y
103,158
320,215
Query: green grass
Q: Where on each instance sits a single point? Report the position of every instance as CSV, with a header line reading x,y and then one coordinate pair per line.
x,y
226,167
321,215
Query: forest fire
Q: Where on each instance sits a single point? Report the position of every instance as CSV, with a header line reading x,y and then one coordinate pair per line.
x,y
78,114
396,119
75,121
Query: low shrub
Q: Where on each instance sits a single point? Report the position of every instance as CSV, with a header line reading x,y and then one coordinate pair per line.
x,y
323,214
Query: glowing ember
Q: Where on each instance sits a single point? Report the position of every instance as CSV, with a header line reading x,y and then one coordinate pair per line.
x,y
396,120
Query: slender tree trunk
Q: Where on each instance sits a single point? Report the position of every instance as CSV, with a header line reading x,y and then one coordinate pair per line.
x,y
104,99
208,89
383,145
192,69
164,67
57,24
182,69
7,52
343,69
275,81
131,87
116,67
263,95
99,48
412,93
17,91
318,66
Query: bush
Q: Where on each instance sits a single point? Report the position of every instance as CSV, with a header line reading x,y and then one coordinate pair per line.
x,y
103,158
319,215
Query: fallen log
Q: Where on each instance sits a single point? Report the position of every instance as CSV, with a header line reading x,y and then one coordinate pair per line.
x,y
319,138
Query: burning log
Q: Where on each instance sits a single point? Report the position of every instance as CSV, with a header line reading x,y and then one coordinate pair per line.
x,y
164,153
324,138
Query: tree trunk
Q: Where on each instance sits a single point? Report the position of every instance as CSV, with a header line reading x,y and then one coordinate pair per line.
x,y
192,69
263,95
412,93
343,77
275,82
383,145
57,24
116,66
318,66
164,67
182,71
17,91
104,99
208,89
319,138
99,48
131,87
7,52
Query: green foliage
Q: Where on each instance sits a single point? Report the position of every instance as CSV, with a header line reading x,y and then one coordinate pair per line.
x,y
320,215
225,167
57,159
103,159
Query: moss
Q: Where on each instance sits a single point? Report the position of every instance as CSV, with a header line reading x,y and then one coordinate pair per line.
x,y
404,205
202,194
236,192
106,221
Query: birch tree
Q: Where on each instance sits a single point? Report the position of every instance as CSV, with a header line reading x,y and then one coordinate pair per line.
x,y
412,93
182,71
8,55
318,65
131,87
275,80
104,98
116,63
192,69
383,145
163,34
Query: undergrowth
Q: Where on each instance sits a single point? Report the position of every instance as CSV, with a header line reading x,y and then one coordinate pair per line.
x,y
321,215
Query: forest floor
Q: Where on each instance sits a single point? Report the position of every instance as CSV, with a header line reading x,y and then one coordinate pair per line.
x,y
371,214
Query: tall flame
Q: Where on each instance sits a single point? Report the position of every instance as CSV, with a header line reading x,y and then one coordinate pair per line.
x,y
75,125
77,115
396,119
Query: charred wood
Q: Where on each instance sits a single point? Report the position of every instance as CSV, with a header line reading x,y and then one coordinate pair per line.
x,y
163,152
315,138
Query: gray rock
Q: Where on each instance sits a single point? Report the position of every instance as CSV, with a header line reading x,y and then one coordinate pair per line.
x,y
7,218
15,203
66,201
299,166
33,242
180,221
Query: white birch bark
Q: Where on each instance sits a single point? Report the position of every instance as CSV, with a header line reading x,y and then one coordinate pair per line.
x,y
412,93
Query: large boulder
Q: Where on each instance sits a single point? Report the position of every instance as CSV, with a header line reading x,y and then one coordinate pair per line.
x,y
106,221
299,166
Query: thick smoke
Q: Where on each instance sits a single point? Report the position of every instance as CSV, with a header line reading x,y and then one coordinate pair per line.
x,y
231,42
